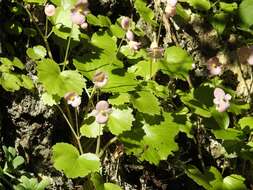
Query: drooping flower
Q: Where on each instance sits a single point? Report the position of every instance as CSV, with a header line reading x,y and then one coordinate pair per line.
x,y
49,10
172,3
134,45
250,59
170,11
214,67
130,35
73,99
102,111
221,100
100,79
79,12
125,23
154,51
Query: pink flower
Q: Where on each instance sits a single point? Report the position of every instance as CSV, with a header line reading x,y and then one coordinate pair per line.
x,y
100,79
130,35
102,111
213,66
250,59
77,18
172,3
134,45
49,10
170,11
221,100
73,99
125,23
79,12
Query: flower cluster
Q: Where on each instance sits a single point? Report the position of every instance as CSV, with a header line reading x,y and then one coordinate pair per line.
x,y
49,10
170,9
221,100
214,67
125,24
73,99
102,111
79,12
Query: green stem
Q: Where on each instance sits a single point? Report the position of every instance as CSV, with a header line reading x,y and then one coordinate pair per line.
x,y
98,140
77,126
120,44
72,130
151,68
38,29
46,27
114,139
67,49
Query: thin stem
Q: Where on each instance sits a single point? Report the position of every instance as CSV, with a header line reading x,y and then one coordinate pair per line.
x,y
69,113
151,65
107,145
120,44
46,27
76,119
245,83
38,29
67,49
98,140
72,130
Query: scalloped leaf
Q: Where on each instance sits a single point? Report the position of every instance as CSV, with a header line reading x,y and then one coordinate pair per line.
x,y
120,120
56,82
246,122
177,62
145,12
245,12
146,102
91,128
37,52
66,158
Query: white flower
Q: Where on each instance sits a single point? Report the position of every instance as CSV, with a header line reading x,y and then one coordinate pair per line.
x,y
49,10
100,79
73,99
102,111
221,100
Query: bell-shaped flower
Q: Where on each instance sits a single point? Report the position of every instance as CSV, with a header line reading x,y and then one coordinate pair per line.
x,y
155,52
172,3
134,45
102,111
100,79
79,12
221,100
49,10
250,59
125,23
73,99
130,35
214,67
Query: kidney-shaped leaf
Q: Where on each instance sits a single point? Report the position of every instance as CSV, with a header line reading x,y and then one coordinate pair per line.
x,y
57,82
67,159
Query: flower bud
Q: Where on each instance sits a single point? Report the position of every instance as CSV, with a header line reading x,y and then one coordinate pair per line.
x,y
170,11
77,18
130,35
125,23
49,10
100,79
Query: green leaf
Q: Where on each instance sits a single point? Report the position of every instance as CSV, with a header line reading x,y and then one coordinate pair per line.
x,y
234,182
221,118
27,82
10,82
67,159
203,5
111,186
177,62
57,82
143,69
9,63
238,108
228,134
91,128
17,161
100,20
219,21
119,99
146,102
49,99
100,185
120,120
117,30
246,13
206,179
40,2
151,142
246,122
37,52
146,13
228,7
